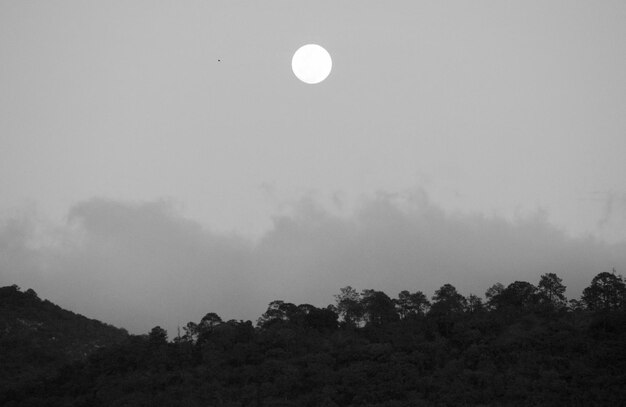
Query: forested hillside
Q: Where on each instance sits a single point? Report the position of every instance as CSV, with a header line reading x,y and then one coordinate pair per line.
x,y
522,345
37,337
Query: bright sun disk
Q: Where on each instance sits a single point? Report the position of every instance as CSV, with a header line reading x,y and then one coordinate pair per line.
x,y
311,63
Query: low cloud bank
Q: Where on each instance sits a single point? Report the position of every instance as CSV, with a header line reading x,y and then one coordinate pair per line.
x,y
138,265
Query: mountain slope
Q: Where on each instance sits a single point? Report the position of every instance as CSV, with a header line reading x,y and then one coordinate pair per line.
x,y
37,336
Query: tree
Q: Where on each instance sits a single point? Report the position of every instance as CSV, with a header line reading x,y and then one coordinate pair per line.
x,y
321,319
411,304
552,290
378,308
209,321
207,326
279,311
448,306
448,301
32,294
474,304
492,294
349,306
191,332
517,295
606,292
157,336
576,305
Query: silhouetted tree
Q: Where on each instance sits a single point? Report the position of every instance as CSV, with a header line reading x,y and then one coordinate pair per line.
x,y
552,290
474,304
349,306
31,293
448,306
209,321
576,305
492,294
517,295
411,304
279,311
606,292
378,308
207,326
322,319
447,300
191,332
157,336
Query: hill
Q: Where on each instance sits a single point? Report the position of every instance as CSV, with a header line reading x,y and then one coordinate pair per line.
x,y
37,337
525,345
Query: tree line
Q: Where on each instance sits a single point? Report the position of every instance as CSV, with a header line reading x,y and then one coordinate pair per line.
x,y
607,292
520,345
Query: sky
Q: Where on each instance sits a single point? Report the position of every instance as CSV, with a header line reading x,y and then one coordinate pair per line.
x,y
157,160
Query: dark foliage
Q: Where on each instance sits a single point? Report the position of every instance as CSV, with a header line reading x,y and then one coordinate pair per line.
x,y
38,337
523,347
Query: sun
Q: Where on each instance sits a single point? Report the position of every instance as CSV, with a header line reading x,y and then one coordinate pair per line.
x,y
311,64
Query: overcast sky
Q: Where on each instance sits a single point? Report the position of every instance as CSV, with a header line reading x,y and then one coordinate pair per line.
x,y
445,131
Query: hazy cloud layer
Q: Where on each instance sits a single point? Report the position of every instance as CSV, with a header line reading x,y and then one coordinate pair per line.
x,y
141,265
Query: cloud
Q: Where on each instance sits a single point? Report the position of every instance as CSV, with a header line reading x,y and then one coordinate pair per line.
x,y
138,265
134,265
395,243
613,210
